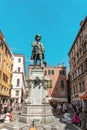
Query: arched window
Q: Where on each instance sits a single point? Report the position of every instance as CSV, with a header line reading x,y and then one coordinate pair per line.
x,y
18,82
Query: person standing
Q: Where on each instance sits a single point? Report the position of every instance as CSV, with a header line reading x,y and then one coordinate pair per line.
x,y
64,107
76,119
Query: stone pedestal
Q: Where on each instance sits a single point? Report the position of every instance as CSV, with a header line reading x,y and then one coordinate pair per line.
x,y
37,92
36,113
37,108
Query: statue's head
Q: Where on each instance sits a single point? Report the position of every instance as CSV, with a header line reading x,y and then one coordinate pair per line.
x,y
37,37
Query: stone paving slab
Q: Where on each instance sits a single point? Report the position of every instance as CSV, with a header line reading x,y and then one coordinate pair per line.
x,y
50,126
57,125
77,127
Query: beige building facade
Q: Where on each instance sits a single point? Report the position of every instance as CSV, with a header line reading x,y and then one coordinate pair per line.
x,y
6,63
78,64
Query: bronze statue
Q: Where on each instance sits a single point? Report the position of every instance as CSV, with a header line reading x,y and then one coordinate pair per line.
x,y
38,50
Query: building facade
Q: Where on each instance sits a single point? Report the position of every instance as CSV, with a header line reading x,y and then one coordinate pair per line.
x,y
18,79
6,59
57,87
78,63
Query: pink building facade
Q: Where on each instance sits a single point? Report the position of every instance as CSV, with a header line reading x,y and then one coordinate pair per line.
x,y
58,86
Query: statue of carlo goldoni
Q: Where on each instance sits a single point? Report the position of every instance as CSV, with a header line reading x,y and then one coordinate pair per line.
x,y
38,50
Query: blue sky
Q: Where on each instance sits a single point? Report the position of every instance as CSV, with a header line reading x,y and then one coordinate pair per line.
x,y
57,21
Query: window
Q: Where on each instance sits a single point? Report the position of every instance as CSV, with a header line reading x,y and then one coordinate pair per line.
x,y
81,68
76,89
77,55
83,86
18,82
1,44
50,83
51,72
4,64
18,69
80,38
84,48
78,70
74,59
72,52
62,84
80,52
77,43
17,93
7,66
80,87
72,76
62,93
6,51
75,73
62,72
5,78
19,59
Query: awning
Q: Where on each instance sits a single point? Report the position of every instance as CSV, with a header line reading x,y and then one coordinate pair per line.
x,y
57,99
84,96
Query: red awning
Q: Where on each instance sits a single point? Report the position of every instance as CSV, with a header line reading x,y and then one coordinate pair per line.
x,y
84,96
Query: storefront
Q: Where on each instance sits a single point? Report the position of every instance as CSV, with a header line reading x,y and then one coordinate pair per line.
x,y
84,100
55,101
84,106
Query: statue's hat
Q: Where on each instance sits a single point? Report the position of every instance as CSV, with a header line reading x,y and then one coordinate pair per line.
x,y
38,35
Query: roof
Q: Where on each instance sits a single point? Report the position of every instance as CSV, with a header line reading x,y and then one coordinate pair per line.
x,y
84,96
59,66
18,55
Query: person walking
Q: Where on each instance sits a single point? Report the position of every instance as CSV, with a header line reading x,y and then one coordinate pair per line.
x,y
76,119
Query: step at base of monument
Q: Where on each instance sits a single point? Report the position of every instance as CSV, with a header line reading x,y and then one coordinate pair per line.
x,y
55,125
36,119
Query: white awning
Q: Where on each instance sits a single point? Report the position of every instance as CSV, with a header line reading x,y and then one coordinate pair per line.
x,y
58,99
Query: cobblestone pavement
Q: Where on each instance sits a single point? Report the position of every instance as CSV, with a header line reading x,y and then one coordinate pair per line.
x,y
72,127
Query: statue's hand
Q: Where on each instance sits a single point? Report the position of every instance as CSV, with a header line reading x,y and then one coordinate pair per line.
x,y
33,44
